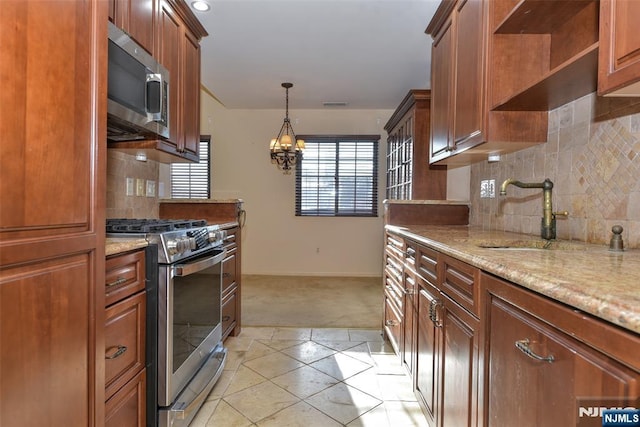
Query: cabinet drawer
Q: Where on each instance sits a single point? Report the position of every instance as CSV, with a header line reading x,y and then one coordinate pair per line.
x,y
394,291
230,239
124,341
125,275
427,264
393,268
394,246
228,272
228,313
127,408
392,324
460,282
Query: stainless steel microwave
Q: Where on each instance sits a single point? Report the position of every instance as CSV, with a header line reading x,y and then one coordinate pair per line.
x,y
137,91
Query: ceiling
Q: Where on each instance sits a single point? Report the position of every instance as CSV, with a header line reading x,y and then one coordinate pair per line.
x,y
367,53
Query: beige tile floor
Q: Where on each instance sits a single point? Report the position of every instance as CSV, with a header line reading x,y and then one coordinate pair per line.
x,y
310,377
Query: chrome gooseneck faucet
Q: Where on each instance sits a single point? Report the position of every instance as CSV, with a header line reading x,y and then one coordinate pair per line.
x,y
548,225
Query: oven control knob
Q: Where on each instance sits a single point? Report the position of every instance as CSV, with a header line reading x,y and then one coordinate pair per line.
x,y
191,243
172,247
217,235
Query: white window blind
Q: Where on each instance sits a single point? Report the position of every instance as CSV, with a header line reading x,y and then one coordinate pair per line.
x,y
191,180
338,176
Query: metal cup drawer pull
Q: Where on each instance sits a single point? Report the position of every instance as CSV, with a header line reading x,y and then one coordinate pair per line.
x,y
523,346
120,350
391,322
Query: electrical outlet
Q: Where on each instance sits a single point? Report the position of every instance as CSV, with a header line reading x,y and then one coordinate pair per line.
x,y
139,187
491,188
484,189
129,187
151,188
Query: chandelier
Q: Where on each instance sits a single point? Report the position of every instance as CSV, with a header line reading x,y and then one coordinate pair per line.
x,y
284,152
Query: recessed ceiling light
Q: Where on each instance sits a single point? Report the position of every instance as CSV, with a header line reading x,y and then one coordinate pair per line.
x,y
201,5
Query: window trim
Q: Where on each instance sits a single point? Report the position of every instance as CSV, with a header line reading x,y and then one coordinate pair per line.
x,y
375,139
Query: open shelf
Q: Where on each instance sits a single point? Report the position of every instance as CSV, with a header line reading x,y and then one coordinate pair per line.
x,y
540,16
572,79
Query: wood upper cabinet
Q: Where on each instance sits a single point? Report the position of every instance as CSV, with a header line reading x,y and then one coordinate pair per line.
x,y
136,18
470,73
409,175
441,84
619,57
543,361
52,187
177,34
458,80
179,51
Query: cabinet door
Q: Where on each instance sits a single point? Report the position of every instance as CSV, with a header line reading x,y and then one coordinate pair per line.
x,y
468,90
460,366
52,187
191,94
540,373
619,56
441,80
427,347
410,320
170,52
136,18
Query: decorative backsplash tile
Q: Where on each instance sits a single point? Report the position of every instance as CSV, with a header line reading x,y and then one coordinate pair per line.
x,y
593,158
121,166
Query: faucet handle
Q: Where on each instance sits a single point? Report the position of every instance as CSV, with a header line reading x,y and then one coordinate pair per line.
x,y
561,213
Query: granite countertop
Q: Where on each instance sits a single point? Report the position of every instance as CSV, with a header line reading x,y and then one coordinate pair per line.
x,y
123,244
588,277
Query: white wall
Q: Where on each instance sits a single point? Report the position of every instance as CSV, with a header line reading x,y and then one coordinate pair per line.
x,y
275,241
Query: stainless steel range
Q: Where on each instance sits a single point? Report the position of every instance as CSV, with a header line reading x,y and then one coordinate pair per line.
x,y
188,342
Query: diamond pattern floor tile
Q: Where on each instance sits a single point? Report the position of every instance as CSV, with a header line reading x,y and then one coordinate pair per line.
x,y
280,377
343,403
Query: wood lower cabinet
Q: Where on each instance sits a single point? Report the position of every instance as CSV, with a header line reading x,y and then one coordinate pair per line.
x,y
544,361
619,53
393,291
486,352
435,336
125,335
459,365
428,348
230,289
448,344
52,191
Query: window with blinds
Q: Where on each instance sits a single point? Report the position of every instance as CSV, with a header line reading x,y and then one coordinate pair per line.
x,y
192,180
338,176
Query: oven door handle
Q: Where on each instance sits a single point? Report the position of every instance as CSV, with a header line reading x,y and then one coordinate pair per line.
x,y
182,270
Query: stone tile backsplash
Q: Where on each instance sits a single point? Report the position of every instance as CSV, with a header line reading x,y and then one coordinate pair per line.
x,y
121,166
593,159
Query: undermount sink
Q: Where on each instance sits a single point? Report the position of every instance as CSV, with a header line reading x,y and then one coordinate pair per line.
x,y
531,245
